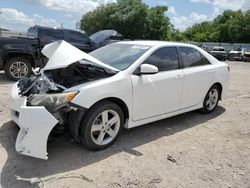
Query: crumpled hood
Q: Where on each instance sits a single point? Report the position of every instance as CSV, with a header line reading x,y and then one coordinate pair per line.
x,y
62,54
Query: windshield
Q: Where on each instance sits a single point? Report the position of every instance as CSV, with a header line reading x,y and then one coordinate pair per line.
x,y
119,55
219,49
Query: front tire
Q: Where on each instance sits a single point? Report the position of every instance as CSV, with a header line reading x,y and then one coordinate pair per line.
x,y
211,100
101,125
17,68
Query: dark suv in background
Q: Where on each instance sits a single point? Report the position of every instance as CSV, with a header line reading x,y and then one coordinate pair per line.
x,y
19,54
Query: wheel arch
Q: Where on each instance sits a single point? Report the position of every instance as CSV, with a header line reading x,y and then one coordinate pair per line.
x,y
220,87
74,119
25,55
118,102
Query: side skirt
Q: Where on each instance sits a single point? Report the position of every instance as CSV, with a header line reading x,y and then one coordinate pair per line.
x,y
132,124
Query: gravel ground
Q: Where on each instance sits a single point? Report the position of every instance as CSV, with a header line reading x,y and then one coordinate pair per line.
x,y
189,150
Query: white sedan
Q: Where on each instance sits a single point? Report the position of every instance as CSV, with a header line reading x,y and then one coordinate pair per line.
x,y
122,85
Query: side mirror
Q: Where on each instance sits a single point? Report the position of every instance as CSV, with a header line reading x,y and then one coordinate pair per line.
x,y
148,69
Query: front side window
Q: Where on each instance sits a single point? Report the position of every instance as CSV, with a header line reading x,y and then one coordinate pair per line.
x,y
77,37
164,59
191,57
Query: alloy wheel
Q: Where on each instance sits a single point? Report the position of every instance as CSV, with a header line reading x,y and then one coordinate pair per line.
x,y
212,99
18,69
105,127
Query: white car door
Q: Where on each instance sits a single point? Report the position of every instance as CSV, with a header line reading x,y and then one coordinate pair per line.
x,y
199,76
160,93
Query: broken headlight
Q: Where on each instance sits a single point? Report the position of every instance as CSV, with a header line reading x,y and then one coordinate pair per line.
x,y
51,102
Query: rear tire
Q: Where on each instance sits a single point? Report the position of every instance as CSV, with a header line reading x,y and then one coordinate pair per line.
x,y
101,125
211,100
17,68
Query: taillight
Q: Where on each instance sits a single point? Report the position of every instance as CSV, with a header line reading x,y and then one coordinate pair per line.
x,y
228,68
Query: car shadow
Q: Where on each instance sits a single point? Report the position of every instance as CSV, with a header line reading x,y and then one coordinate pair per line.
x,y
66,156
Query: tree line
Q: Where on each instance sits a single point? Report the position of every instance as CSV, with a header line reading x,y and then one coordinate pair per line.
x,y
136,20
231,26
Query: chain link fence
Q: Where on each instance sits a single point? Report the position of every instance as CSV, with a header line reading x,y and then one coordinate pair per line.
x,y
228,46
4,33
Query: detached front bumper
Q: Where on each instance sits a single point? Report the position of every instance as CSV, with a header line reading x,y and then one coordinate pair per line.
x,y
35,124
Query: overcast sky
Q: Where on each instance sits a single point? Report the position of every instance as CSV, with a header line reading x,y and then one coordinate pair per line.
x,y
18,15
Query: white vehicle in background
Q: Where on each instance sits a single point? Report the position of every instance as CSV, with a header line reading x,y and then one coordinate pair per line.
x,y
219,53
236,54
246,55
124,84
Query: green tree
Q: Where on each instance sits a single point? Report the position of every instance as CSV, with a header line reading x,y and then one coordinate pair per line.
x,y
136,20
132,18
157,24
231,26
175,35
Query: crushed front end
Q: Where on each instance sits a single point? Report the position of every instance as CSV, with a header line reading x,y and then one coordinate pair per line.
x,y
37,107
41,102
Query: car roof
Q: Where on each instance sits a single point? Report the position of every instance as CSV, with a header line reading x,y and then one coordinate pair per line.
x,y
219,47
156,43
54,28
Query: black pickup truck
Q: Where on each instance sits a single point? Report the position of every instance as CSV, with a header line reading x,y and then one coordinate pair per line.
x,y
18,55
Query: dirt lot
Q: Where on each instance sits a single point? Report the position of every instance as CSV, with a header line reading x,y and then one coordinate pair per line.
x,y
190,150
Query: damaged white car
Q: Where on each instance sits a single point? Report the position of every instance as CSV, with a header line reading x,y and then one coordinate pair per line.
x,y
125,84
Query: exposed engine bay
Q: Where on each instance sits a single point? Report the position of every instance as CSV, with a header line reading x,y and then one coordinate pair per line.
x,y
47,89
57,80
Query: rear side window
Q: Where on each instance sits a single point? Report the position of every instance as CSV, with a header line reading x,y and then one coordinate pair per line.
x,y
52,34
191,57
77,37
164,59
